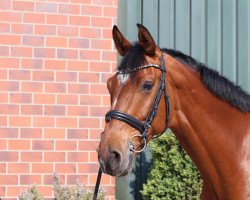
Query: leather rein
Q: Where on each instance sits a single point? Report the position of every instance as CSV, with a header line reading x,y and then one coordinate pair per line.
x,y
141,126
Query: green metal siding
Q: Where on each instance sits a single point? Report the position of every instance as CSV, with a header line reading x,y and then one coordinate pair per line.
x,y
216,32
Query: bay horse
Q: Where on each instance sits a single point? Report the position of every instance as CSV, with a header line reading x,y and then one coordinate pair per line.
x,y
155,89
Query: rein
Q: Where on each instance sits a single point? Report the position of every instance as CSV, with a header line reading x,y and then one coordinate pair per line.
x,y
142,127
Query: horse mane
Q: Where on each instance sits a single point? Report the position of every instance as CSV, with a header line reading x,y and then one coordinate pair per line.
x,y
219,85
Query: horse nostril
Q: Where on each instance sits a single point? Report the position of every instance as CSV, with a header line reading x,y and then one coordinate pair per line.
x,y
115,157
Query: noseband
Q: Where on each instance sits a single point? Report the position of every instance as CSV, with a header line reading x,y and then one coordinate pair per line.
x,y
143,127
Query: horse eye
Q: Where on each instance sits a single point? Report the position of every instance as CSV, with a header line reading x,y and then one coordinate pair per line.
x,y
147,86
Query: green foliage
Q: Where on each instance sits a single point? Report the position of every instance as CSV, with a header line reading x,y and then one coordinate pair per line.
x,y
77,192
172,175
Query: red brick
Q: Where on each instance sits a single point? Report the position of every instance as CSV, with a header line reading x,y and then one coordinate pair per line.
x,y
67,168
23,6
77,134
67,54
79,20
31,110
54,110
103,2
18,168
19,144
67,99
32,87
66,145
34,133
109,55
90,55
87,168
110,11
81,1
42,168
9,86
8,180
88,145
30,179
93,157
44,53
91,32
105,77
8,156
19,75
33,18
68,31
90,100
107,33
99,67
49,179
22,28
5,5
66,76
101,44
46,7
56,41
78,88
44,98
2,191
54,133
10,39
77,111
54,157
14,191
98,111
71,179
33,40
57,19
101,22
3,121
20,121
7,16
31,156
3,168
90,10
69,9
89,123
4,27
43,121
66,122
4,97
88,77
3,146
43,76
9,109
77,65
77,156
105,179
43,144
55,64
32,63
9,63
98,89
79,43
8,133
45,190
4,51
21,52
55,87
20,98
45,30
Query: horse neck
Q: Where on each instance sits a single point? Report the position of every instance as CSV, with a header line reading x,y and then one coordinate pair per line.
x,y
211,131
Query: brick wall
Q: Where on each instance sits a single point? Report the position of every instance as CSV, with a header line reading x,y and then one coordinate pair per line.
x,y
55,58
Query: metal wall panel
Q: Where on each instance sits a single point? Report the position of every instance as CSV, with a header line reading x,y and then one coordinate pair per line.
x,y
216,32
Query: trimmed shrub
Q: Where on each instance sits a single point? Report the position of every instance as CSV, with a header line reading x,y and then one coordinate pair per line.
x,y
172,174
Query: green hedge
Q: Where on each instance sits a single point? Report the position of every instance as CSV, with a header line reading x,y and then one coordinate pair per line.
x,y
172,175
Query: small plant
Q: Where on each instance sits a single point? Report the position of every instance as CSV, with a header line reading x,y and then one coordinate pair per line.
x,y
77,192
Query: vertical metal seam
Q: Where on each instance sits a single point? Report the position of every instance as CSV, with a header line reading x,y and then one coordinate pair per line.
x,y
190,27
206,30
222,30
236,41
174,25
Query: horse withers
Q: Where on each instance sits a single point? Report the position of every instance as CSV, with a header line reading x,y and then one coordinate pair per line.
x,y
155,89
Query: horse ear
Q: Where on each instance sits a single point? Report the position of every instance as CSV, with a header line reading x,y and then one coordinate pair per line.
x,y
146,40
121,43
